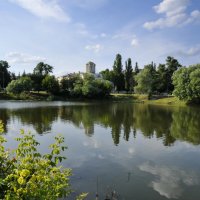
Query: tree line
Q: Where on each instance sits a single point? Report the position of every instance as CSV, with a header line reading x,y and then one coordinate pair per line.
x,y
150,79
168,78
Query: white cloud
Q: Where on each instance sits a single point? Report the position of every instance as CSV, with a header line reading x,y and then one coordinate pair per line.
x,y
134,42
169,180
193,51
43,9
21,58
103,35
174,14
127,36
96,48
171,7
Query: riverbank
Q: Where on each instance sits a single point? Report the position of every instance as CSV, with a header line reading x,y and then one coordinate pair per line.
x,y
43,96
156,99
32,96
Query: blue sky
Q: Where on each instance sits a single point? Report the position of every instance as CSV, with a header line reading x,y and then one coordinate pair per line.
x,y
68,33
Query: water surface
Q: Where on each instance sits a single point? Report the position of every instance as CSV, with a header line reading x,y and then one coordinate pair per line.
x,y
140,151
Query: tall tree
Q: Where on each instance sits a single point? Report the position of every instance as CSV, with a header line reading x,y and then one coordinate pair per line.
x,y
107,75
162,78
137,70
50,84
39,74
172,65
145,81
118,79
43,69
5,76
128,75
13,76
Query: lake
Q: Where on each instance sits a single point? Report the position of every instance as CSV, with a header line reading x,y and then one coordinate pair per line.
x,y
140,151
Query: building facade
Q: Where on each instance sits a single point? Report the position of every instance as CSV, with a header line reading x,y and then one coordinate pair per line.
x,y
90,67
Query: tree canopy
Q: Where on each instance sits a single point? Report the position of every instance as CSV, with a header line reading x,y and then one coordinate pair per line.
x,y
128,75
43,69
24,84
5,76
187,83
118,79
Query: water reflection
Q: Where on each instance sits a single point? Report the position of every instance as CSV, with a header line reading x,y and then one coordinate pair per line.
x,y
169,181
123,119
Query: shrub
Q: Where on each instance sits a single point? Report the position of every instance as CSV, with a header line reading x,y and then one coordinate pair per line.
x,y
23,84
26,174
187,83
50,84
90,87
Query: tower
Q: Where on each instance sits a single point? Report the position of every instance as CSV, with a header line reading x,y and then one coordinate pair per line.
x,y
90,67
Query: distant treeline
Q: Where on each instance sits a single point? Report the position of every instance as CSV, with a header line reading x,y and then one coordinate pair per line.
x,y
168,78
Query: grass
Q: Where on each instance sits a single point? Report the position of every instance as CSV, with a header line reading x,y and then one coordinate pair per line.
x,y
168,101
135,98
139,98
25,96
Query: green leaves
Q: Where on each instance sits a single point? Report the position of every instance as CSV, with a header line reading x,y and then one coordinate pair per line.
x,y
50,84
23,84
90,87
187,83
33,175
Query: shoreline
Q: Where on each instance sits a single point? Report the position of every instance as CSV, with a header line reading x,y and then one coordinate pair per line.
x,y
134,98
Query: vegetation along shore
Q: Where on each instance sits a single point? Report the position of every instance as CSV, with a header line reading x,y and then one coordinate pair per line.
x,y
169,83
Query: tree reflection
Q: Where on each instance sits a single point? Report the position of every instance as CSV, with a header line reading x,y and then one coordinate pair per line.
x,y
41,118
123,119
186,124
4,117
165,123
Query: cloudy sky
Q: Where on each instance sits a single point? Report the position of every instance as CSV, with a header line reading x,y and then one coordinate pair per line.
x,y
68,33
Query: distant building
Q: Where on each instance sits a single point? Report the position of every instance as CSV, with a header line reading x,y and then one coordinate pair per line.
x,y
90,67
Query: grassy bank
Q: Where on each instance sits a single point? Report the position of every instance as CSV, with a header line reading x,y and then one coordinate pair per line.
x,y
160,100
43,96
32,96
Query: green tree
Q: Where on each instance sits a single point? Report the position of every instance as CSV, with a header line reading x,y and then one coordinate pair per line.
x,y
187,83
43,69
39,73
128,75
5,76
50,84
137,70
162,78
24,84
90,87
107,75
37,81
67,83
13,76
144,81
118,78
172,65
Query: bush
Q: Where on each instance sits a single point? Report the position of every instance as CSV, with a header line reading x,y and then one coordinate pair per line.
x,y
24,84
187,83
26,174
90,87
50,84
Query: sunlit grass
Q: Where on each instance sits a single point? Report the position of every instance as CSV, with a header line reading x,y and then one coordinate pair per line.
x,y
142,98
